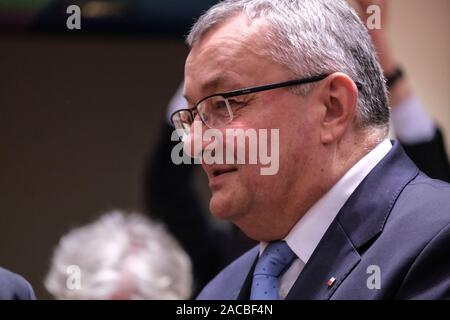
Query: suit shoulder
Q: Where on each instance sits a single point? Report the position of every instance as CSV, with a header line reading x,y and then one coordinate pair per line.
x,y
420,212
428,197
424,180
14,286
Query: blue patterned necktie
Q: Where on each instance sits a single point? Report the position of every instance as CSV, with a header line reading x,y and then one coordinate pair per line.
x,y
273,261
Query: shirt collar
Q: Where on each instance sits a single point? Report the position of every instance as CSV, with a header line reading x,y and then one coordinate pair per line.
x,y
309,230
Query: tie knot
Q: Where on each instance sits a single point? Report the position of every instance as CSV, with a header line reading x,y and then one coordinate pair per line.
x,y
274,259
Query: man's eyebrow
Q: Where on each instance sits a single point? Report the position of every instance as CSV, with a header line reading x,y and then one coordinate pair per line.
x,y
212,84
188,99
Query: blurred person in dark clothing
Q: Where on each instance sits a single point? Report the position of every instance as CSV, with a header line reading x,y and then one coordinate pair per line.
x,y
14,287
414,127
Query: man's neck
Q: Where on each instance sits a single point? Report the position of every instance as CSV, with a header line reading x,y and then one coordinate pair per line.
x,y
345,155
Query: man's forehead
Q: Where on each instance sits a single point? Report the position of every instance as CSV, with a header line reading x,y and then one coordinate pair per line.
x,y
221,56
237,27
229,37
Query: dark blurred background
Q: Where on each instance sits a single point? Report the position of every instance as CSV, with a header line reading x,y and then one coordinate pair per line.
x,y
81,110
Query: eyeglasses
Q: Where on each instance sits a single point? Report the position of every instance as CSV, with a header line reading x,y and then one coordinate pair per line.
x,y
217,110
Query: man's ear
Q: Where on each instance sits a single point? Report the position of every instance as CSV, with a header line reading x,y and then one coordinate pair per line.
x,y
339,97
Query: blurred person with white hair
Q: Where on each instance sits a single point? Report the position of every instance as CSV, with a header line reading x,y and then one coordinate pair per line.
x,y
122,257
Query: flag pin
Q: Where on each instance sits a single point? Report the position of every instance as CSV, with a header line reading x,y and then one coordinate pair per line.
x,y
331,282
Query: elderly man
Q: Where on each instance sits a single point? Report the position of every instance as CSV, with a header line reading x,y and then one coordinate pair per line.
x,y
119,257
347,215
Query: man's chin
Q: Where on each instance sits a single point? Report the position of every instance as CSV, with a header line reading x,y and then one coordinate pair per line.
x,y
222,207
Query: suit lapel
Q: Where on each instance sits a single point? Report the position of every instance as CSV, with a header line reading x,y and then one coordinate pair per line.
x,y
335,257
239,286
360,220
246,288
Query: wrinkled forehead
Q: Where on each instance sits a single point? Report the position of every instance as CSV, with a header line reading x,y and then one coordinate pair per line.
x,y
230,52
234,30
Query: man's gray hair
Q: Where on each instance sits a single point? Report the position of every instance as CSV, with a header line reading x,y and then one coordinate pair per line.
x,y
312,37
120,256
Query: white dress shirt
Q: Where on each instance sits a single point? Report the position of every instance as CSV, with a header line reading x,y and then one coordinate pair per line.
x,y
309,230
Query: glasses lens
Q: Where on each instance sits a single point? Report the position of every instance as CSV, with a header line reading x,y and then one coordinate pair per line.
x,y
215,111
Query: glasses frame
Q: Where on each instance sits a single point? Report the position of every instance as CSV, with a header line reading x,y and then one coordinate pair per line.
x,y
239,92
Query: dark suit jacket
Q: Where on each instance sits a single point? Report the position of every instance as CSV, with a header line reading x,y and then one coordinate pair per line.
x,y
14,287
397,220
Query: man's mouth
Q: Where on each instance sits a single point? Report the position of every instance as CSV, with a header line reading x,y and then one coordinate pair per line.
x,y
220,171
217,174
